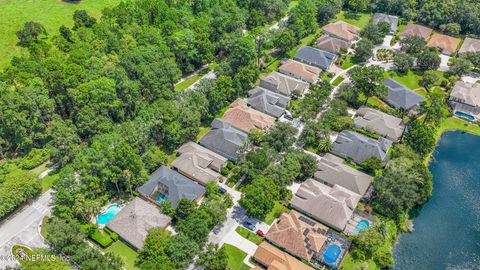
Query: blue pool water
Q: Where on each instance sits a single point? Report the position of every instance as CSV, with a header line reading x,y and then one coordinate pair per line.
x,y
111,211
447,229
331,254
465,115
362,225
160,198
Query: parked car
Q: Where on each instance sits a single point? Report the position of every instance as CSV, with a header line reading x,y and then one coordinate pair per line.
x,y
249,226
222,190
260,233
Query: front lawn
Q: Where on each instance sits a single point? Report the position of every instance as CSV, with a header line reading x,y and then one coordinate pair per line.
x,y
235,258
360,20
338,81
277,210
348,61
127,254
249,235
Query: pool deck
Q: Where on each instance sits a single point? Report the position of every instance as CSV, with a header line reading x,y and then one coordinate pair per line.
x,y
355,219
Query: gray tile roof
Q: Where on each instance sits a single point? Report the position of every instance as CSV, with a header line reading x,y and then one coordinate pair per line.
x,y
224,139
267,102
359,148
283,84
315,57
135,219
392,20
171,184
399,96
331,170
380,123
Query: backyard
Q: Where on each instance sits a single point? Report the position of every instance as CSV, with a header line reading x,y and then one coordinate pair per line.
x,y
411,79
50,13
127,254
360,20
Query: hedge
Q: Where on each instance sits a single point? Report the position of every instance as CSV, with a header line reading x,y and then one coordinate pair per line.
x,y
104,240
17,189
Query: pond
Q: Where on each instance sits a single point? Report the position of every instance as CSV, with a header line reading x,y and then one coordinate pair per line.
x,y
447,229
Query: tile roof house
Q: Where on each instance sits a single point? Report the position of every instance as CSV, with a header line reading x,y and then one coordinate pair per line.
x,y
283,84
166,183
198,163
331,44
447,44
298,235
224,139
315,57
245,118
267,102
469,45
465,100
274,259
333,206
359,148
343,31
135,219
300,71
332,171
416,30
380,123
392,20
399,96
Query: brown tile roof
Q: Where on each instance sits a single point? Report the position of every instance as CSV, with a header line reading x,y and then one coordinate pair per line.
x,y
300,70
331,44
298,234
447,44
246,118
342,30
333,206
273,258
416,30
470,45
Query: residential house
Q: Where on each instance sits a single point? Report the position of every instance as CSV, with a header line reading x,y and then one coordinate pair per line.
x,y
446,44
167,184
283,84
343,31
300,71
333,206
224,140
267,102
359,148
399,96
198,163
331,44
392,20
135,219
380,123
416,30
273,258
469,45
315,57
332,171
465,100
245,118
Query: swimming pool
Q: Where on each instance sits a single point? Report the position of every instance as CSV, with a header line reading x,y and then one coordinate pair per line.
x,y
160,198
331,255
361,225
465,115
111,211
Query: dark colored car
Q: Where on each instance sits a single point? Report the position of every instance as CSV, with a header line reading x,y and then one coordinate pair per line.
x,y
222,190
260,233
249,226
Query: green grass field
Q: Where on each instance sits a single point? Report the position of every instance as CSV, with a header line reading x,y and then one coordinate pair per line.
x,y
235,257
360,20
411,79
127,254
247,234
50,13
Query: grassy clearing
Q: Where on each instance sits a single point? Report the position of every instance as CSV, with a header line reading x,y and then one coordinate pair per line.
x,y
360,20
411,79
49,180
338,81
50,13
127,254
247,234
235,258
277,210
308,40
193,79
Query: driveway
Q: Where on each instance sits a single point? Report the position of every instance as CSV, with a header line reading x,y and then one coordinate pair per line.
x,y
444,62
24,228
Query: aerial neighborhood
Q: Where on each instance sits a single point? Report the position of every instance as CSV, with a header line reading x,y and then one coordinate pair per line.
x,y
241,135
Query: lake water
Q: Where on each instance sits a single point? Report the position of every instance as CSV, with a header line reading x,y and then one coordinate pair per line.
x,y
447,230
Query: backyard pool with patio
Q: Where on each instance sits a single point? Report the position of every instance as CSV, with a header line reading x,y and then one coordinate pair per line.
x,y
361,225
465,115
447,229
160,198
110,212
331,255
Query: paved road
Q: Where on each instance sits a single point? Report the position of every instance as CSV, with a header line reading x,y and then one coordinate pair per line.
x,y
24,228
